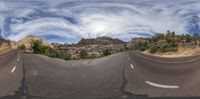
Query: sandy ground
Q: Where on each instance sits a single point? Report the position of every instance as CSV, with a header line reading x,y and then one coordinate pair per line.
x,y
182,52
4,50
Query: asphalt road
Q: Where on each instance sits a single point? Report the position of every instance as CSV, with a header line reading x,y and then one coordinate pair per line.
x,y
10,73
47,77
157,76
127,75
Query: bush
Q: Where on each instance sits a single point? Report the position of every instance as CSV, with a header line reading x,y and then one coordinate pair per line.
x,y
58,54
106,52
83,54
167,48
163,47
22,47
38,47
143,46
153,48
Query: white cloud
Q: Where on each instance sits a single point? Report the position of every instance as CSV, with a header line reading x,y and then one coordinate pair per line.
x,y
44,26
75,20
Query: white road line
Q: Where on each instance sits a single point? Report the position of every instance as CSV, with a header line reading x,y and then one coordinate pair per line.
x,y
13,69
132,66
128,58
160,85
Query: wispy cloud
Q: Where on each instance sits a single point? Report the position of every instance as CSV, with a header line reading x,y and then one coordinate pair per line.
x,y
61,21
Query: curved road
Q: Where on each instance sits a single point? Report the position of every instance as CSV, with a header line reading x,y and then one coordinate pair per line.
x,y
127,75
157,76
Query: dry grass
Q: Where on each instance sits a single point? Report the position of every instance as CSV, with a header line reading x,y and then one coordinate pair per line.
x,y
181,52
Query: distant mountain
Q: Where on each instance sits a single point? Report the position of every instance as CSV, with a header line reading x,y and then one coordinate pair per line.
x,y
100,40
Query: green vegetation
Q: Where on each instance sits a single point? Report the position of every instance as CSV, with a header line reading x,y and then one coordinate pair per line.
x,y
22,47
106,52
83,54
39,48
58,54
142,46
167,42
161,47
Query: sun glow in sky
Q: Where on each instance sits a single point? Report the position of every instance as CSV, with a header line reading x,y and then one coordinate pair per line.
x,y
98,27
69,21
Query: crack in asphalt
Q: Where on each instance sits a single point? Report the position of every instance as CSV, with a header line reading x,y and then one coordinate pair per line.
x,y
23,88
22,91
122,89
125,93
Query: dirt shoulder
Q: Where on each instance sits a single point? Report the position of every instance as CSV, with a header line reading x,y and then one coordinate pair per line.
x,y
4,50
181,52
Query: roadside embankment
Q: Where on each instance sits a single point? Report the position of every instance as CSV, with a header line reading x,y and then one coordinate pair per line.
x,y
181,52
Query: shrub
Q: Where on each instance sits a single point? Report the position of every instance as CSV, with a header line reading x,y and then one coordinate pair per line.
x,y
163,47
22,47
58,54
106,52
167,48
38,47
153,48
142,46
83,54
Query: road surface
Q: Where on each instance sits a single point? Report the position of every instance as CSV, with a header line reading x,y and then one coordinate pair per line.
x,y
157,76
126,75
10,73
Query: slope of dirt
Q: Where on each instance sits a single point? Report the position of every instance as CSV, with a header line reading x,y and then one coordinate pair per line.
x,y
181,52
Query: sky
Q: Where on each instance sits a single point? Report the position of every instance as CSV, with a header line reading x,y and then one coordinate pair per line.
x,y
67,21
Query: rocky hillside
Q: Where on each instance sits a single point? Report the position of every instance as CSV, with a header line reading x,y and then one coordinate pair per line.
x,y
100,40
28,40
135,43
5,45
168,44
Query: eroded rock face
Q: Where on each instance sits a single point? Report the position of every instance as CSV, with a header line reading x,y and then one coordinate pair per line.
x,y
133,44
101,40
5,45
3,48
28,40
